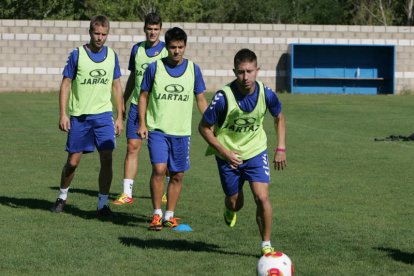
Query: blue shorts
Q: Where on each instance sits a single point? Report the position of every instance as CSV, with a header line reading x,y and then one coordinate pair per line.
x,y
255,169
132,122
88,131
171,150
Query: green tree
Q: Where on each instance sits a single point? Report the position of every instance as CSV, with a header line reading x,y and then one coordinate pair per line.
x,y
374,12
350,12
180,10
45,9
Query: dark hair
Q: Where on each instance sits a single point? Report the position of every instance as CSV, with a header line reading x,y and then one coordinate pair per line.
x,y
244,55
152,18
99,20
175,34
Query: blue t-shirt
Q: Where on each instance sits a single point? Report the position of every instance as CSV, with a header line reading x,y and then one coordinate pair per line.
x,y
217,109
72,64
175,71
150,51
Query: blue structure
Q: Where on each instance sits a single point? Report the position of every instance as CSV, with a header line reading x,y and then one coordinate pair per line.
x,y
341,69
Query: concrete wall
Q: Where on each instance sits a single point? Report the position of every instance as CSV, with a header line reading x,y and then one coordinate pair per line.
x,y
33,53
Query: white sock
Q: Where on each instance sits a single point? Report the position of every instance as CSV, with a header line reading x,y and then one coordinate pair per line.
x,y
266,243
168,215
102,200
128,184
158,212
63,193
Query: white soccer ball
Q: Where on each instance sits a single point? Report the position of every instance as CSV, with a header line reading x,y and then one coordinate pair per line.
x,y
275,264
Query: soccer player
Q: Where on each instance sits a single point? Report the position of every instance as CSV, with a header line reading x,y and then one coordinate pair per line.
x,y
233,127
90,76
142,54
165,113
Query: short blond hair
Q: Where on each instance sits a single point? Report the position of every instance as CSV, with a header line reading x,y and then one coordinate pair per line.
x,y
99,20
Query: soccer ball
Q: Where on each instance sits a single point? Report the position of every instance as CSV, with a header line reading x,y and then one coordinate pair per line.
x,y
275,264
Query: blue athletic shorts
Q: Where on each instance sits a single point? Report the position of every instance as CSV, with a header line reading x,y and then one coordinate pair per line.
x,y
88,131
132,122
255,169
172,150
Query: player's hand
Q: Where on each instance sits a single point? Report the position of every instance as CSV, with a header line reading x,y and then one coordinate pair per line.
x,y
119,126
233,158
143,132
64,123
279,161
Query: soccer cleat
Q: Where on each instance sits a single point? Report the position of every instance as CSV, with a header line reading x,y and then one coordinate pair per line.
x,y
123,199
267,250
156,223
171,223
230,217
104,212
164,198
59,205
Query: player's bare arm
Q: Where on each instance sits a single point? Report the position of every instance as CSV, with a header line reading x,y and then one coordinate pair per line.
x,y
201,102
64,121
142,103
129,87
206,131
279,160
117,93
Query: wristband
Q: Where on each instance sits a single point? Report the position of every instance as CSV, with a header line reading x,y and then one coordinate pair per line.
x,y
280,150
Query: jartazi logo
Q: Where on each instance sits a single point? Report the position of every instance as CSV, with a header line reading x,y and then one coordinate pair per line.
x,y
97,73
174,88
144,66
246,124
97,77
245,121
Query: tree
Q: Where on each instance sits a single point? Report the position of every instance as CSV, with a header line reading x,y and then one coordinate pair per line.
x,y
376,12
409,12
350,12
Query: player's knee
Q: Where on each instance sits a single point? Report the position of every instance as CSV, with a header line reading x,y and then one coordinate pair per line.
x,y
177,177
159,170
262,199
158,175
133,146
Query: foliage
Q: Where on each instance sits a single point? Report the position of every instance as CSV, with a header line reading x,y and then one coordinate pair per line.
x,y
361,12
322,11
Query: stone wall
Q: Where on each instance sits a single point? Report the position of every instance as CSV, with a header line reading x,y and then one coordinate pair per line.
x,y
33,53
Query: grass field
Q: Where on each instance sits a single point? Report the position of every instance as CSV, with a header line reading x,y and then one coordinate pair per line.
x,y
344,206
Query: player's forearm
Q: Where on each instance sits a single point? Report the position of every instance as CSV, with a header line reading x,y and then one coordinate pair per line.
x,y
130,85
117,91
207,133
142,103
280,127
201,103
64,95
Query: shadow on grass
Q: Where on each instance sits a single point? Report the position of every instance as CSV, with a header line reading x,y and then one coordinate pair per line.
x,y
179,245
41,204
398,255
94,193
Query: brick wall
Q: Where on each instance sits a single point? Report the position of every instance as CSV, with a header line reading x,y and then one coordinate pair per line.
x,y
33,53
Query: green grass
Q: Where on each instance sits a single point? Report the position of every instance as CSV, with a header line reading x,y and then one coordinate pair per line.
x,y
344,206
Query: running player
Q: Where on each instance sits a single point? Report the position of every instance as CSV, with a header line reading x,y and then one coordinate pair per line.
x,y
233,127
